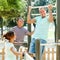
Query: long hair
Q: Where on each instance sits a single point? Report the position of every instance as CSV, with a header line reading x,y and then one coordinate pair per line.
x,y
9,35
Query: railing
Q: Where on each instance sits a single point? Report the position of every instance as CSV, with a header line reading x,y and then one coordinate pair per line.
x,y
2,53
1,50
47,53
20,49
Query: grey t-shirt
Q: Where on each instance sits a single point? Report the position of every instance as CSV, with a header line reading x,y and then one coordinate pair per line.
x,y
20,33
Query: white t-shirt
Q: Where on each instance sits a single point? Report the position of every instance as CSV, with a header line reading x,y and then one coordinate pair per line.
x,y
41,29
8,53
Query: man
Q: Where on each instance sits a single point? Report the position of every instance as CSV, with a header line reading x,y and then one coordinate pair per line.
x,y
20,32
41,30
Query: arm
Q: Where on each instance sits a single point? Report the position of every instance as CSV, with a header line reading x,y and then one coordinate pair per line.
x,y
30,33
29,20
15,52
50,13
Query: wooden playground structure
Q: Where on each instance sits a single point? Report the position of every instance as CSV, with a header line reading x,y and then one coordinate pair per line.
x,y
54,53
49,53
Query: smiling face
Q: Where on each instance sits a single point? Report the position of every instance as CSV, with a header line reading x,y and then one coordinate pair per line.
x,y
20,23
42,12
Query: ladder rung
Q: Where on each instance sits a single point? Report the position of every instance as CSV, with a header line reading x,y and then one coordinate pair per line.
x,y
40,6
39,14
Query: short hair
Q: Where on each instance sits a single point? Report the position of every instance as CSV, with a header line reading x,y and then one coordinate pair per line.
x,y
41,7
19,18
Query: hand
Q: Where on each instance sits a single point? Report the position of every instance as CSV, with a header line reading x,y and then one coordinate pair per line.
x,y
50,7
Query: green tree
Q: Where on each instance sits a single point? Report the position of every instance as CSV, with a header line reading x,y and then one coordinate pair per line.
x,y
11,9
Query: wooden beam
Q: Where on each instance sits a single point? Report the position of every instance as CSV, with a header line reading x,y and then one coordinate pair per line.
x,y
58,29
37,48
39,14
33,7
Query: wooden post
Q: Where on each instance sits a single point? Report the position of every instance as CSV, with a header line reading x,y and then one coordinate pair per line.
x,y
29,26
58,53
58,29
37,48
1,22
3,54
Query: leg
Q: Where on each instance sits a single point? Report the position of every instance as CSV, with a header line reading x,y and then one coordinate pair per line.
x,y
42,47
32,46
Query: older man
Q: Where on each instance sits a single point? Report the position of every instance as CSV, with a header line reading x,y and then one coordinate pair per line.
x,y
20,32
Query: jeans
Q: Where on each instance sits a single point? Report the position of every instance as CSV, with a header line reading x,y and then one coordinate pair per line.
x,y
32,46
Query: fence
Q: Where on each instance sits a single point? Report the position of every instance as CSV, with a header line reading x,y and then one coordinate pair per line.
x,y
50,53
1,50
2,53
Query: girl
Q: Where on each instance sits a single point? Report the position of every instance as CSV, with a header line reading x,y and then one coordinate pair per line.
x,y
10,51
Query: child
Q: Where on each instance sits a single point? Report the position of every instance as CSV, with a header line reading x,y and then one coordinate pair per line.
x,y
10,51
